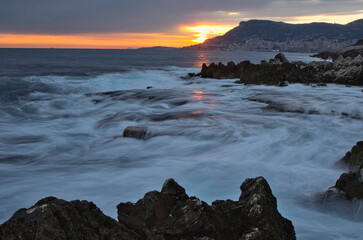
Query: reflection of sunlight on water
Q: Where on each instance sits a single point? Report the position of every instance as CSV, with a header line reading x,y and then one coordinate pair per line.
x,y
198,95
199,111
201,58
207,98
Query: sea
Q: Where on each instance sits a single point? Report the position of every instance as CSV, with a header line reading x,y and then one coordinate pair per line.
x,y
60,137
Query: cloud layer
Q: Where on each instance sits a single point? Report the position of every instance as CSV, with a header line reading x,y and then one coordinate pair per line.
x,y
151,16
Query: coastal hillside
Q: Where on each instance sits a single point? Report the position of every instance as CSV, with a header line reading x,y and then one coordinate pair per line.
x,y
266,35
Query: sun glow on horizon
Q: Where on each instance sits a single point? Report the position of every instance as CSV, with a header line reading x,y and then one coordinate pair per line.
x,y
203,32
104,41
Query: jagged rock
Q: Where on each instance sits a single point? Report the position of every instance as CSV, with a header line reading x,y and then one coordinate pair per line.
x,y
166,215
355,156
172,214
221,71
279,71
137,132
56,219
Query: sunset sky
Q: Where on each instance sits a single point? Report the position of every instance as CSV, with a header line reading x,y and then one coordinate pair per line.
x,y
145,23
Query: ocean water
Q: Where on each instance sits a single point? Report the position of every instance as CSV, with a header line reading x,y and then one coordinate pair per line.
x,y
60,138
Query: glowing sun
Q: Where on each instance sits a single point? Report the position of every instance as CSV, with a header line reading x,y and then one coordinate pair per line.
x,y
203,32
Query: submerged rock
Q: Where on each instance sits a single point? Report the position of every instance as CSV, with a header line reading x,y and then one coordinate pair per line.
x,y
56,219
172,214
137,132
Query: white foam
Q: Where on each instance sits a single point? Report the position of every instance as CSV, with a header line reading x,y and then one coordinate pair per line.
x,y
218,139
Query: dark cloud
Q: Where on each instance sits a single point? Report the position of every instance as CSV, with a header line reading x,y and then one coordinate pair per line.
x,y
97,16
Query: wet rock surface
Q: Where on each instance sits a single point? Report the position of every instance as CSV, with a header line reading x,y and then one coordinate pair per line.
x,y
169,214
56,219
138,132
355,156
279,106
351,184
146,96
172,214
346,196
279,71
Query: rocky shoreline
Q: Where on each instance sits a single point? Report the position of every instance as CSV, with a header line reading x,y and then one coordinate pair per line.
x,y
172,214
164,215
350,51
280,72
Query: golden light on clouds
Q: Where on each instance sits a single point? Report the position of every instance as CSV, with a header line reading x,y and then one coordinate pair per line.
x,y
203,32
335,18
233,13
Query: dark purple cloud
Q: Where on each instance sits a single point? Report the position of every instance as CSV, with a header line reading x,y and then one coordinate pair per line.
x,y
97,16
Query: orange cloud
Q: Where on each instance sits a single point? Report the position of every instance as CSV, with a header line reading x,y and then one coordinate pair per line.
x,y
108,41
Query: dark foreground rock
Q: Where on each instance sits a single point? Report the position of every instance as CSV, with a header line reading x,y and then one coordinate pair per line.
x,y
56,219
172,214
279,71
166,215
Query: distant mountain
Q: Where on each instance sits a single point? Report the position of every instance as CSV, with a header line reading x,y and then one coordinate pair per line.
x,y
270,35
159,48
